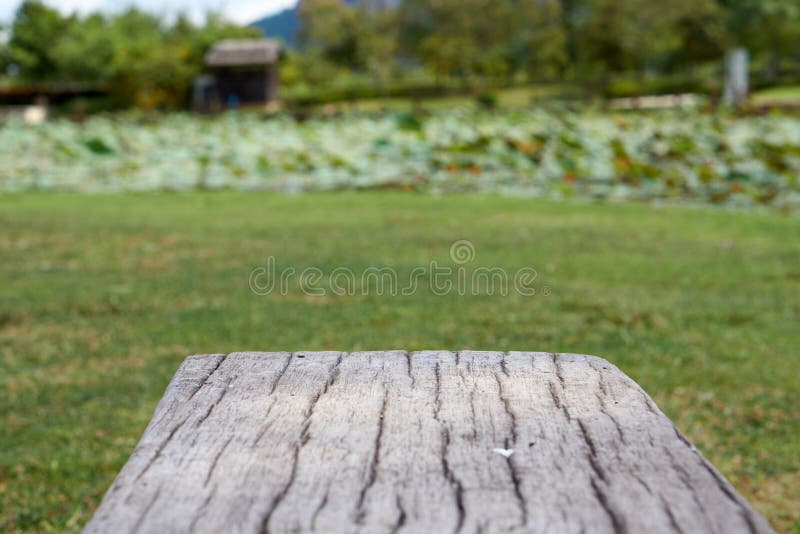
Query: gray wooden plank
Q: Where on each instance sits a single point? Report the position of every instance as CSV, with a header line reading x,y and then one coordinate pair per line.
x,y
420,442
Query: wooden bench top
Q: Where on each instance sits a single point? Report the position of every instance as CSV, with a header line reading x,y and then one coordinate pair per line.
x,y
415,442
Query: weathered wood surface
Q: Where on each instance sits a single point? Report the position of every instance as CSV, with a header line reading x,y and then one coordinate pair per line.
x,y
391,441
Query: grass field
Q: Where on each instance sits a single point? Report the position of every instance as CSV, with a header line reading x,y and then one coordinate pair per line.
x,y
511,97
101,297
778,96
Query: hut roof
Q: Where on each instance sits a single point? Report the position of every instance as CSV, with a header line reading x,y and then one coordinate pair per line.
x,y
233,52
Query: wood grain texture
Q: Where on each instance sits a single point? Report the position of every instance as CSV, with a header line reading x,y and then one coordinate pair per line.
x,y
399,442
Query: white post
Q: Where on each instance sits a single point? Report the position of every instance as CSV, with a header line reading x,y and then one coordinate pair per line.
x,y
737,86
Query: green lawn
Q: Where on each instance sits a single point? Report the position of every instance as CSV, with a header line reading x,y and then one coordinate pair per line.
x,y
508,98
101,297
778,95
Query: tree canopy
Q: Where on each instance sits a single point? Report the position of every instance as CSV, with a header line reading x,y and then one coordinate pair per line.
x,y
136,56
141,60
548,38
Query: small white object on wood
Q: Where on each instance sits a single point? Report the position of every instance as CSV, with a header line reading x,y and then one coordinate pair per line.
x,y
392,441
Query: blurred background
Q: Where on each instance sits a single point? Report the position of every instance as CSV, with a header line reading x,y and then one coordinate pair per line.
x,y
92,55
643,158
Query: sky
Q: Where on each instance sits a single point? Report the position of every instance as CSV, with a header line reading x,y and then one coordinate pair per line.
x,y
242,11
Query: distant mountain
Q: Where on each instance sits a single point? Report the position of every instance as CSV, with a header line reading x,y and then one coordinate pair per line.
x,y
285,24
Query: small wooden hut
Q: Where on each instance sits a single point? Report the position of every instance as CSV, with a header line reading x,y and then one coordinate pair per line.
x,y
241,72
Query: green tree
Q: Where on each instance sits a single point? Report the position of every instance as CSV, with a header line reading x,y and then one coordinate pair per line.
x,y
147,69
362,38
153,65
378,40
769,28
461,38
5,52
703,33
135,56
333,28
538,39
84,50
35,39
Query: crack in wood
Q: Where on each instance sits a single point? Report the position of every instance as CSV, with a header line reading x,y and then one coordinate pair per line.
x,y
320,507
376,457
214,404
643,483
401,516
682,438
437,402
215,460
719,481
455,483
515,479
410,368
601,376
160,448
507,408
208,377
302,440
686,479
503,366
617,426
267,426
557,400
200,385
447,473
723,486
280,374
201,510
553,394
140,520
672,519
602,383
594,461
276,501
334,375
648,403
473,415
559,371
617,522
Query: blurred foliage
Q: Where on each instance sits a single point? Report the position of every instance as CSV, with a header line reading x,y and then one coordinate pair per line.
x,y
625,86
664,156
136,56
375,48
496,42
487,99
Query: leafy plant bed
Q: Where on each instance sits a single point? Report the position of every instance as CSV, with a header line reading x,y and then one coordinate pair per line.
x,y
674,156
